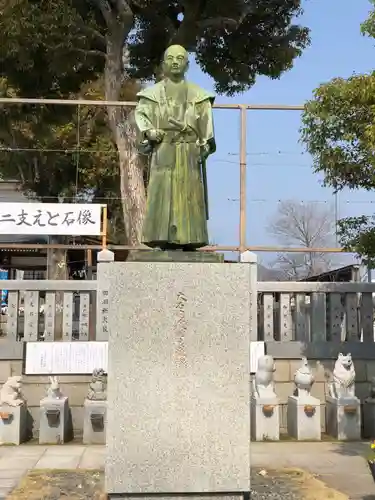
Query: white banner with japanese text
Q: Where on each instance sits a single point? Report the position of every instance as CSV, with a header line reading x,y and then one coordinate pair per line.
x,y
71,219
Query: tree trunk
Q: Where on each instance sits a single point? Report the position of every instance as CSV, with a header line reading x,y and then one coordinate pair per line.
x,y
133,194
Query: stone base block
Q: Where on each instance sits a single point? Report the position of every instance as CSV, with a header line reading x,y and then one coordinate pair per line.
x,y
173,256
303,418
178,378
94,422
343,418
369,418
13,424
181,497
55,421
265,419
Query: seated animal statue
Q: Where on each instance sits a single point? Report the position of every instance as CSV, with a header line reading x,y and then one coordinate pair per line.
x,y
53,391
343,383
98,386
10,393
263,383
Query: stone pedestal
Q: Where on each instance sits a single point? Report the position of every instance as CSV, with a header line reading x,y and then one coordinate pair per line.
x,y
13,424
178,379
94,422
369,418
343,418
55,421
173,256
265,419
303,418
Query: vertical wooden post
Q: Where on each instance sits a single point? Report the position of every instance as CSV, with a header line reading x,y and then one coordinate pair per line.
x,y
104,227
243,180
89,263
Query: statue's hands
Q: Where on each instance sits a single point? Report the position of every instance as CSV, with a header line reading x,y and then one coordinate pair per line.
x,y
205,152
155,135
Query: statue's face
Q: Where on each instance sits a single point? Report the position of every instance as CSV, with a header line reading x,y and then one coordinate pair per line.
x,y
346,360
175,61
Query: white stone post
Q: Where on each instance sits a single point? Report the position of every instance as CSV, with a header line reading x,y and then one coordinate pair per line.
x,y
251,259
105,256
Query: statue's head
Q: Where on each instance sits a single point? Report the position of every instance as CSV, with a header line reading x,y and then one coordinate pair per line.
x,y
98,372
14,382
176,61
345,360
266,363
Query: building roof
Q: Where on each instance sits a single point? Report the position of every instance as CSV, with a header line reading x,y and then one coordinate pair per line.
x,y
346,273
23,239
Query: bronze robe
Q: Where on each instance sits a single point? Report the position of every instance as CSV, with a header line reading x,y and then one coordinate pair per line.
x,y
176,211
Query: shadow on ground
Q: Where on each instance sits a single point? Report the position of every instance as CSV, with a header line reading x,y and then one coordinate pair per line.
x,y
351,449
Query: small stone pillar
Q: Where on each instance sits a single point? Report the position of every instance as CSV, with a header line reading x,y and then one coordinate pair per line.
x,y
55,419
13,413
343,408
105,255
265,409
95,410
303,413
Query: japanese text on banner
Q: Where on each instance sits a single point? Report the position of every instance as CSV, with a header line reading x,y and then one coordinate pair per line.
x,y
50,218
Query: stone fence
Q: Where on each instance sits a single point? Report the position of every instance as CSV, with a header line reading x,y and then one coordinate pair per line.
x,y
294,319
280,311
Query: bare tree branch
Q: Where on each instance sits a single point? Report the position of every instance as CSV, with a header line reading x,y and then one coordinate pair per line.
x,y
105,9
124,8
303,225
90,52
218,22
99,37
192,10
140,4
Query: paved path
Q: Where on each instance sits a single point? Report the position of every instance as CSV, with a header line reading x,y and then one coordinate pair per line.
x,y
341,466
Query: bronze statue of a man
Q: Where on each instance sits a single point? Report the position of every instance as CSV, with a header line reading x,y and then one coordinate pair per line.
x,y
175,122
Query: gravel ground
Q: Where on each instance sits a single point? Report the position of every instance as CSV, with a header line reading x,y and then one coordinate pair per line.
x,y
273,486
51,484
88,485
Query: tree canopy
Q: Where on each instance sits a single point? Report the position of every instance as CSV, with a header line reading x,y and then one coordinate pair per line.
x,y
338,128
233,42
50,47
58,152
86,48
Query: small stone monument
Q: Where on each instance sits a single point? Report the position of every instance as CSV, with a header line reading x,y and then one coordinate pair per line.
x,y
303,413
369,412
265,410
343,408
13,412
95,409
55,419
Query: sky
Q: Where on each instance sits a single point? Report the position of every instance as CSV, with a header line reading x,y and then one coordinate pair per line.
x,y
278,168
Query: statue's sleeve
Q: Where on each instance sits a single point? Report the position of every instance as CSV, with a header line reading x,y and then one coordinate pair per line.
x,y
206,124
143,119
143,116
